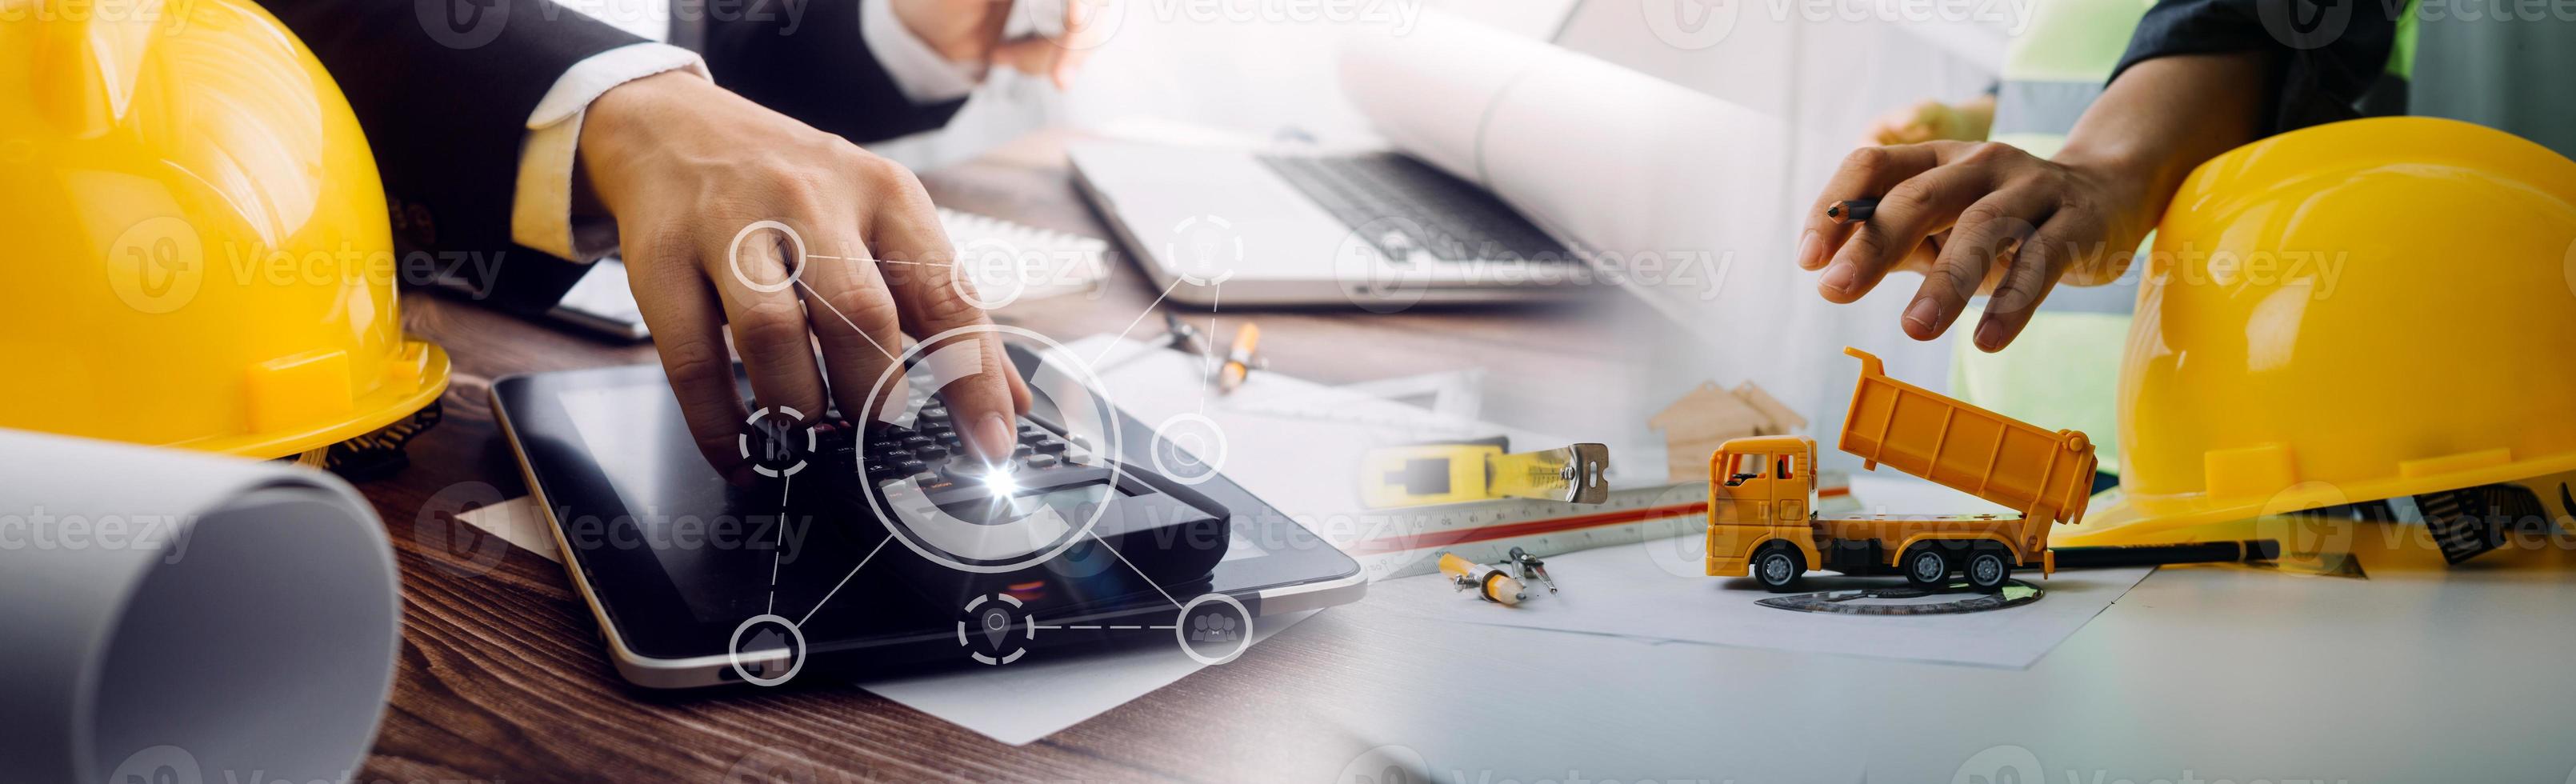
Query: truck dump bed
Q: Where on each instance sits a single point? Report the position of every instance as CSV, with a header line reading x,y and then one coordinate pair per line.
x,y
2044,475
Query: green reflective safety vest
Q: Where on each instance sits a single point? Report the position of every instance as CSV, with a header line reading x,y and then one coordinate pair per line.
x,y
2063,371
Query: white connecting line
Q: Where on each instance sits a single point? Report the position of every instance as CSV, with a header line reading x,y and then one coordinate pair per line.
x,y
854,326
1131,326
879,261
778,545
1098,626
845,580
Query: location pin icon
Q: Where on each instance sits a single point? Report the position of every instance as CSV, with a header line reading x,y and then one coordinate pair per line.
x,y
997,624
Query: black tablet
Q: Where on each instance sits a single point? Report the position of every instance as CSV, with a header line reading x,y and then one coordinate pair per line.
x,y
697,581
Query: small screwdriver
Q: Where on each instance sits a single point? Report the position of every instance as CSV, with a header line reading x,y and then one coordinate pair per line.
x,y
1531,566
1490,582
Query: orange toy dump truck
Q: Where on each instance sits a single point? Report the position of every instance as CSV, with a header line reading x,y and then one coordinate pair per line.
x,y
1761,493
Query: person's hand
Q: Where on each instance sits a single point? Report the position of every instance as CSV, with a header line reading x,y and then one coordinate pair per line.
x,y
684,166
1989,218
1974,218
970,31
1926,121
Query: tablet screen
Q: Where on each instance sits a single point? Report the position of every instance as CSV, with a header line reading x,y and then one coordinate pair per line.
x,y
677,557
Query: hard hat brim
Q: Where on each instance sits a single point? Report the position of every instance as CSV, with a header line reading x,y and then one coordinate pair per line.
x,y
420,377
2177,519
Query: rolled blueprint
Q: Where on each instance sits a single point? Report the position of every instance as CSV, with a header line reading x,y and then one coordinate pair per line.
x,y
174,616
1645,176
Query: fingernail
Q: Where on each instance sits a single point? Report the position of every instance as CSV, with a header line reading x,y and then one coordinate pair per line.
x,y
993,437
1807,255
1839,277
1990,336
1922,317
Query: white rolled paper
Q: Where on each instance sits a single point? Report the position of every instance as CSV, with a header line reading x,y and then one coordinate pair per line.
x,y
178,617
1634,169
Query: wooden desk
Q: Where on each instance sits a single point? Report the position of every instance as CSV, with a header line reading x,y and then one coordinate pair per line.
x,y
502,676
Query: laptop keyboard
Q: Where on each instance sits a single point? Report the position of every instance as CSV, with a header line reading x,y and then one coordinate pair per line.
x,y
1442,216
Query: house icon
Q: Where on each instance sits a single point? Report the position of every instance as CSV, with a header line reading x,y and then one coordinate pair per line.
x,y
1710,415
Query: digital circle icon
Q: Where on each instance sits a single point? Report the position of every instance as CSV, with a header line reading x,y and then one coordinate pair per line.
x,y
1213,628
776,441
993,517
795,260
995,630
1189,448
766,650
1204,250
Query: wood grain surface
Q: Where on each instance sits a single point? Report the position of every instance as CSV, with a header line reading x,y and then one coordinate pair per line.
x,y
503,678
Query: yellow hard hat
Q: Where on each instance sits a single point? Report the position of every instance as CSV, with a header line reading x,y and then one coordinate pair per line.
x,y
199,244
2356,311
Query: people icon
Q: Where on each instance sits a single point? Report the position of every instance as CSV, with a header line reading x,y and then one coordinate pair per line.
x,y
1213,628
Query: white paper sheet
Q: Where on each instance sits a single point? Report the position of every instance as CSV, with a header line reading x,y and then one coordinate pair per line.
x,y
1036,697
518,521
1655,590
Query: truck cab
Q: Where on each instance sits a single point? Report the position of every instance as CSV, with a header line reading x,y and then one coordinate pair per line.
x,y
1761,495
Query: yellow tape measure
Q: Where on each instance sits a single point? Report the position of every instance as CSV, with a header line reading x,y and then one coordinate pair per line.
x,y
1452,473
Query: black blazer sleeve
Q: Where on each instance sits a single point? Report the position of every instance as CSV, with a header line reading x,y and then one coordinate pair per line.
x,y
443,89
2332,52
806,59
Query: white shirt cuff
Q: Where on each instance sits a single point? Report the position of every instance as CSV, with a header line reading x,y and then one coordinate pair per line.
x,y
541,207
917,70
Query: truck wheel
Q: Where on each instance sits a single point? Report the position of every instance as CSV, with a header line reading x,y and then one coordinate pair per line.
x,y
1989,569
1778,567
1927,566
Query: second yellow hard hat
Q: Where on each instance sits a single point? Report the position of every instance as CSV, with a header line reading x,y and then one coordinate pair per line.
x,y
2356,311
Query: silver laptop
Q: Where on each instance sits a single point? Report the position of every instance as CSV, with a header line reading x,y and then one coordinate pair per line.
x,y
1378,230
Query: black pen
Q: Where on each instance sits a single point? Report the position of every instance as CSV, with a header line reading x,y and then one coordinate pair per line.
x,y
1851,210
2164,554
